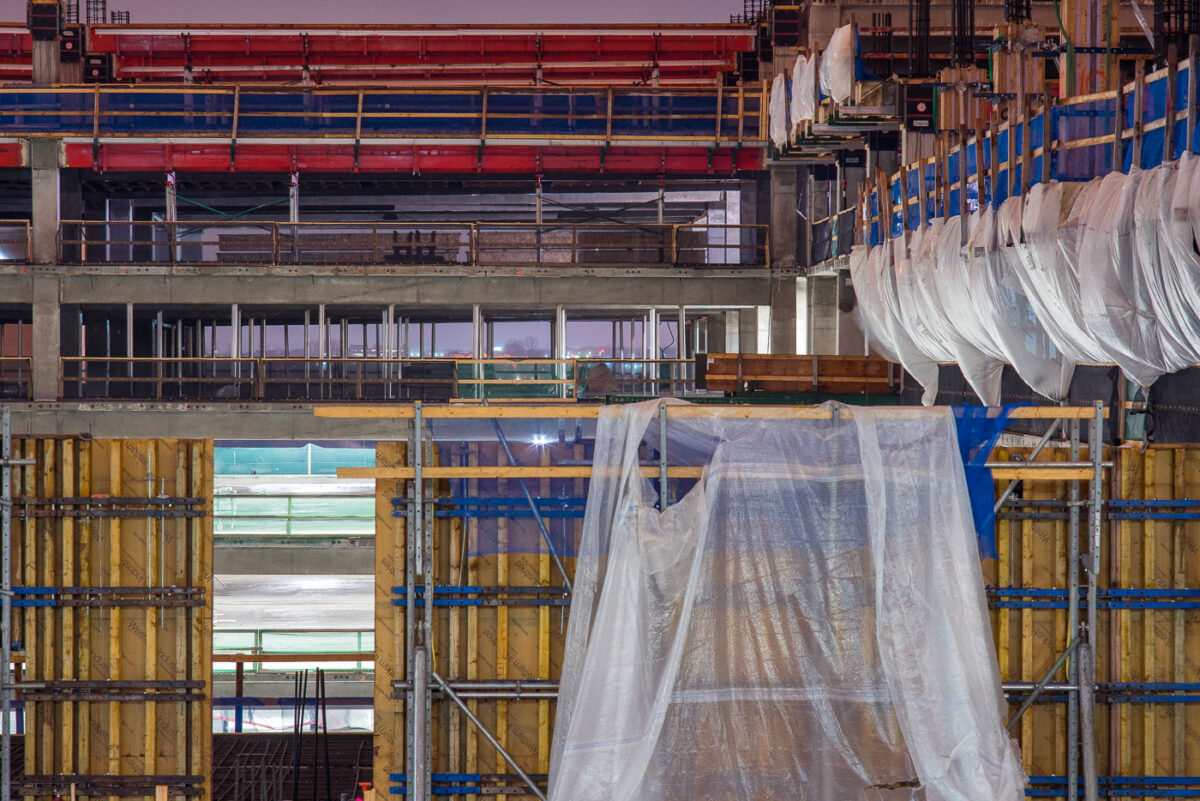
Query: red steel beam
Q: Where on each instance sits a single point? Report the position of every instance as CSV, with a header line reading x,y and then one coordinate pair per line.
x,y
620,54
413,159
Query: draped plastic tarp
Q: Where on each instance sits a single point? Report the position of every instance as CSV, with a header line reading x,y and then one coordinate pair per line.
x,y
1101,272
779,111
795,108
837,65
809,621
805,90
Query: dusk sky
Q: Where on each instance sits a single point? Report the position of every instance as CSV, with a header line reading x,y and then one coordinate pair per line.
x,y
412,11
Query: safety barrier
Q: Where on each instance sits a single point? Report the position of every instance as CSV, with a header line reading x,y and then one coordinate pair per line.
x,y
14,240
1140,125
15,375
733,114
433,243
366,379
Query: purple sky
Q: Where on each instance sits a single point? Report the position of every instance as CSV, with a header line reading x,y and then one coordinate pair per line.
x,y
413,11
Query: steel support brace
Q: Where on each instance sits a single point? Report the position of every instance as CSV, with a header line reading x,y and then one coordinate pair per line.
x,y
487,735
533,508
6,604
1044,684
1073,621
1087,661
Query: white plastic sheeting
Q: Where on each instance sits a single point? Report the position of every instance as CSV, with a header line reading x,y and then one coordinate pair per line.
x,y
804,90
779,112
837,65
808,621
795,107
1103,272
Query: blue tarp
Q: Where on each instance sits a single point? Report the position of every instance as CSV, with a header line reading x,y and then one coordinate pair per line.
x,y
979,427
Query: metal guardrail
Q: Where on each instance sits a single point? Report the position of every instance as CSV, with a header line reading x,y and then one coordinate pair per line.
x,y
253,112
366,379
470,244
16,373
15,241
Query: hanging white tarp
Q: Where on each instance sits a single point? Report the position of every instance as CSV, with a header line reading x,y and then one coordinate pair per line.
x,y
796,107
808,621
837,65
779,111
1101,272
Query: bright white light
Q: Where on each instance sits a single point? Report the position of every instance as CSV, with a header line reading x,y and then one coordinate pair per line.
x,y
540,439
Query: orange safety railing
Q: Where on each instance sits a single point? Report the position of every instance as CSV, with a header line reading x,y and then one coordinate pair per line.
x,y
272,243
15,375
710,116
366,379
15,241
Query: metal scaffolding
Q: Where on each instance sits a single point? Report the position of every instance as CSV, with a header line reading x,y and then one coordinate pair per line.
x,y
424,501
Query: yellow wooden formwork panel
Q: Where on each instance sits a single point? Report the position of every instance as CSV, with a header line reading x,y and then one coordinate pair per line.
x,y
81,543
389,619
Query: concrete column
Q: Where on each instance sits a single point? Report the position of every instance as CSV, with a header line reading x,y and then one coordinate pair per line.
x,y
783,313
747,322
716,332
43,161
477,333
784,240
823,314
47,330
46,64
784,220
851,340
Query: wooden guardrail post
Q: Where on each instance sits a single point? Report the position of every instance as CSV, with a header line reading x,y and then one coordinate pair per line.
x,y
1193,79
1118,128
1171,112
1047,137
1139,109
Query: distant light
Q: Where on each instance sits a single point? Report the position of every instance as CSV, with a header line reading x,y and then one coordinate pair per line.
x,y
541,439
497,347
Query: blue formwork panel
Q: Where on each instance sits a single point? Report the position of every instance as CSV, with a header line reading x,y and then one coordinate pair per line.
x,y
166,113
46,112
538,114
296,113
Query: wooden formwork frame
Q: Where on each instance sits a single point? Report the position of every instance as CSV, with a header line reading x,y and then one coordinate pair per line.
x,y
112,549
425,672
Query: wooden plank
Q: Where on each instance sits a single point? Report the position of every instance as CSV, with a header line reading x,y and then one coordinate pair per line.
x,y
389,736
579,411
543,641
115,617
67,477
502,620
471,746
85,566
1149,662
47,559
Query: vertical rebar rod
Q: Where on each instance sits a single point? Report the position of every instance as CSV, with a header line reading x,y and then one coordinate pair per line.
x,y
6,604
1087,666
1073,567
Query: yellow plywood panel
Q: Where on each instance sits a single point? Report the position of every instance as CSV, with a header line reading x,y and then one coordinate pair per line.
x,y
86,524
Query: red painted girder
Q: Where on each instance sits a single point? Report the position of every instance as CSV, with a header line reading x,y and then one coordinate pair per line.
x,y
418,159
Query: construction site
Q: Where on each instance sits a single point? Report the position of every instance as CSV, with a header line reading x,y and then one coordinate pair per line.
x,y
799,405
